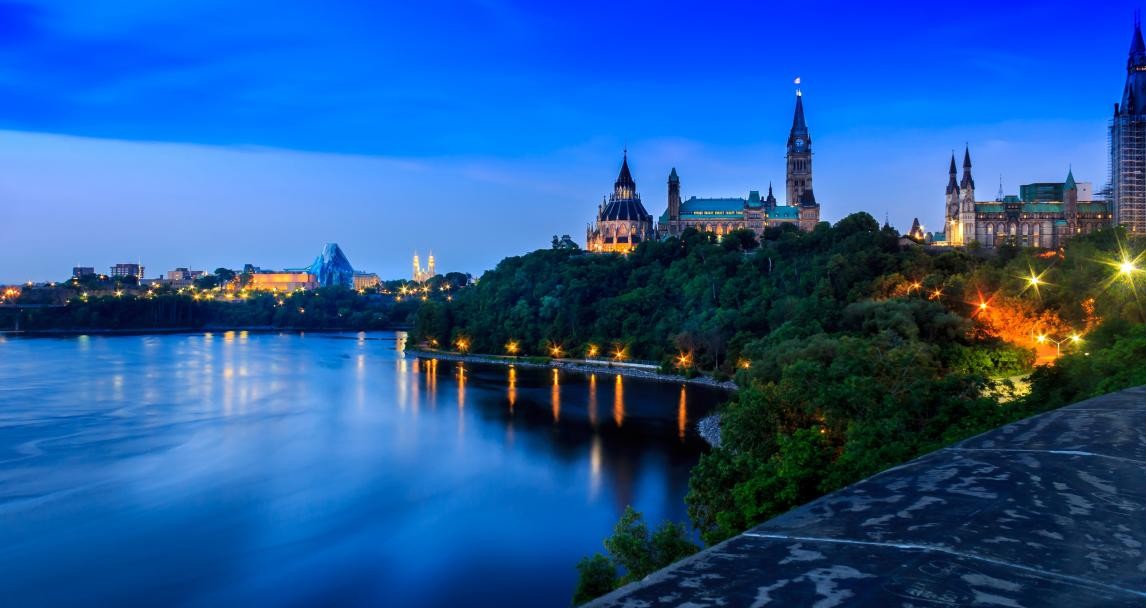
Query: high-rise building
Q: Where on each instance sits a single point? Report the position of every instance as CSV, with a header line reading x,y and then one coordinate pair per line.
x,y
1128,141
723,215
79,272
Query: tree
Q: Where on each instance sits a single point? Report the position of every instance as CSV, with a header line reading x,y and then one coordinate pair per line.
x,y
596,576
224,275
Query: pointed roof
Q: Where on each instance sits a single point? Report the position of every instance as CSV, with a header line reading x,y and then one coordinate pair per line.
x,y
1137,47
968,183
798,123
673,178
952,183
625,178
1070,183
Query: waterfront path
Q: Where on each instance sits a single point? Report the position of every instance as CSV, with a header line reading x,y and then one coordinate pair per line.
x,y
585,366
1048,511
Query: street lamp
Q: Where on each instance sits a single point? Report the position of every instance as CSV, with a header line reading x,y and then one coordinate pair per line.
x,y
511,347
1073,338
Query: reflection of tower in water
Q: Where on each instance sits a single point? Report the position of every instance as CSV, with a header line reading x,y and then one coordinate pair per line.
x,y
682,412
555,396
619,402
593,399
512,392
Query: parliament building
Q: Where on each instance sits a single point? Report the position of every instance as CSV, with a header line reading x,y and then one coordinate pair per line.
x,y
1042,215
622,221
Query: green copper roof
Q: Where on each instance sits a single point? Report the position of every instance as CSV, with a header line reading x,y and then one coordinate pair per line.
x,y
726,205
1094,207
784,212
989,207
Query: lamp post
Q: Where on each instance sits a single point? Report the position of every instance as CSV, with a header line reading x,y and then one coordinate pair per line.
x,y
1073,339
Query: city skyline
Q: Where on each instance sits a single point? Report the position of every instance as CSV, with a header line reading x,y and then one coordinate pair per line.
x,y
114,164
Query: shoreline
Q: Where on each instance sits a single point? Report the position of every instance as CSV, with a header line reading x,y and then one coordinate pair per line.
x,y
575,365
145,331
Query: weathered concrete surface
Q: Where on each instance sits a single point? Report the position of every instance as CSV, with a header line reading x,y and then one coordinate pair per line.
x,y
1049,511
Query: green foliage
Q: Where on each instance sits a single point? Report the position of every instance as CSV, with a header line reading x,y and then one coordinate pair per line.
x,y
860,354
596,576
632,551
327,308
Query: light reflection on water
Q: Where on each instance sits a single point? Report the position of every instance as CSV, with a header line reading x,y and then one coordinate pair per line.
x,y
274,469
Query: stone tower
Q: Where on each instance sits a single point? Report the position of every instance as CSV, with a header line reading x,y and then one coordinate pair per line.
x,y
952,225
1070,203
673,200
1128,141
799,179
967,201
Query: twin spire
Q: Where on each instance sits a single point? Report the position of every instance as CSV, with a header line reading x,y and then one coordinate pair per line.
x,y
967,183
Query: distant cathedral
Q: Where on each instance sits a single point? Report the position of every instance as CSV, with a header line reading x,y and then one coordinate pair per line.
x,y
622,221
1128,142
1042,215
421,275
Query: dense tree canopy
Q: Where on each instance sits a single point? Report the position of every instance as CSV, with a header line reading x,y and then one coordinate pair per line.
x,y
853,349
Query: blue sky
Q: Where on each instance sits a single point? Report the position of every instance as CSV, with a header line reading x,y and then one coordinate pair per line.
x,y
213,133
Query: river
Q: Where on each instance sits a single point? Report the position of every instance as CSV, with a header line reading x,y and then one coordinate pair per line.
x,y
319,469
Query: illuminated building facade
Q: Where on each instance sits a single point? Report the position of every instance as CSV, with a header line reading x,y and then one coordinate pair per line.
x,y
120,271
282,281
723,215
1011,219
1128,142
421,275
622,221
365,280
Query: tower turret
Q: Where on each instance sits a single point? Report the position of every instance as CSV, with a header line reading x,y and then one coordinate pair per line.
x,y
673,197
1070,201
799,175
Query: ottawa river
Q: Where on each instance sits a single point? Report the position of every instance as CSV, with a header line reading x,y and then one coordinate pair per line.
x,y
233,469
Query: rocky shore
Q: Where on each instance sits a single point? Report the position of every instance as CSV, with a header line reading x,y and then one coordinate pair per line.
x,y
709,429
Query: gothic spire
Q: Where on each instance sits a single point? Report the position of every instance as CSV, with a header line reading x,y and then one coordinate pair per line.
x,y
968,183
952,182
624,187
673,177
1070,184
1137,47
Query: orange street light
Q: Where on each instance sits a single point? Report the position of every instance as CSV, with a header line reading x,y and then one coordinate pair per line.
x,y
744,364
462,344
511,347
555,351
592,351
684,360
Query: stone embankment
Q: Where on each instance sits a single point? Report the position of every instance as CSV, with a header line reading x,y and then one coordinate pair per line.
x,y
1047,511
584,366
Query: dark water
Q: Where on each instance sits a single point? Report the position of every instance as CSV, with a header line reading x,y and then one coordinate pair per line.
x,y
287,470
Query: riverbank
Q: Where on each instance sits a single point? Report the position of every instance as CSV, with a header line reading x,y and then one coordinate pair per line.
x,y
584,366
41,333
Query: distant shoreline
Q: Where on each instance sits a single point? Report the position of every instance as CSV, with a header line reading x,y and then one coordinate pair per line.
x,y
262,329
575,365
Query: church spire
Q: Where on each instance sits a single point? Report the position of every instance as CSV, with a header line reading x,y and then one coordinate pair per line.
x,y
625,187
1135,92
1070,184
952,182
968,183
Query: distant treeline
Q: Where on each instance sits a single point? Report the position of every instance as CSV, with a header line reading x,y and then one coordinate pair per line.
x,y
328,308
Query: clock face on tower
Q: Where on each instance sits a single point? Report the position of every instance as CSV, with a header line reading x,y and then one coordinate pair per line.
x,y
799,144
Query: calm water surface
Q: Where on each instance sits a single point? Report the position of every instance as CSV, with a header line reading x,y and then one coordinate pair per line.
x,y
288,470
